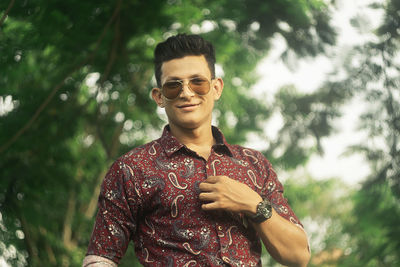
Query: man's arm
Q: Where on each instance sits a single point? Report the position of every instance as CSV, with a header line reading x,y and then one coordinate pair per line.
x,y
97,261
116,217
285,241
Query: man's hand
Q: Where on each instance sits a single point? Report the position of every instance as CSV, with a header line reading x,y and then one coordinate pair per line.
x,y
224,193
285,241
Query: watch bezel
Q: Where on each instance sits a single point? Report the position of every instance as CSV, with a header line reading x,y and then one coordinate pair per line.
x,y
264,211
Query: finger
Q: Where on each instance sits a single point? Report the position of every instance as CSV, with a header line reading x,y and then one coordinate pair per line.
x,y
212,179
207,196
210,206
206,187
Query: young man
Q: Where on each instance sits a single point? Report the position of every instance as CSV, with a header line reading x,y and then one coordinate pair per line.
x,y
189,198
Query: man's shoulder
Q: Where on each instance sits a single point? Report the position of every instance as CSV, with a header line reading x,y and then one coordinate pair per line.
x,y
143,152
246,152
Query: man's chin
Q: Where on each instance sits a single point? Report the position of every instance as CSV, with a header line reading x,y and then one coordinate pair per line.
x,y
187,124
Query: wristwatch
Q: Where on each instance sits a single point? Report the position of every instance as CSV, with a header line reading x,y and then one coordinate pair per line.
x,y
264,212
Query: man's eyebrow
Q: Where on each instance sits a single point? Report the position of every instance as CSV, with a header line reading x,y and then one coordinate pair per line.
x,y
173,78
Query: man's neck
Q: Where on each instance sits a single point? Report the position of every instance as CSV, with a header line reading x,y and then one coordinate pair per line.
x,y
199,139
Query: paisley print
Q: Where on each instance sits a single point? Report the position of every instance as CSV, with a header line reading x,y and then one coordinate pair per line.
x,y
230,234
152,150
253,179
130,170
196,187
240,162
167,243
213,166
227,260
283,209
181,231
166,165
137,191
146,257
153,182
186,245
189,169
189,263
204,238
174,181
150,196
151,226
218,155
174,206
249,153
271,186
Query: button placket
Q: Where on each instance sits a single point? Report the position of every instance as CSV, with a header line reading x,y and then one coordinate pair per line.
x,y
223,239
221,229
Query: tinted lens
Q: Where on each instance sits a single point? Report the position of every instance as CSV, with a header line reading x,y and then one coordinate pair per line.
x,y
171,89
199,86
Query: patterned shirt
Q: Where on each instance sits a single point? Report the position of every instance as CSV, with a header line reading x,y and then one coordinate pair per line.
x,y
151,196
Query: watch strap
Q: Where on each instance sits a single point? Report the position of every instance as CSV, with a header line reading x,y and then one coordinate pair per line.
x,y
264,211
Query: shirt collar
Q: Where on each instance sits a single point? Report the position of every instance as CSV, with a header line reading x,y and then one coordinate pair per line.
x,y
171,145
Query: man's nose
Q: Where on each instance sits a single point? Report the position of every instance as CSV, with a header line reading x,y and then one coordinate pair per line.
x,y
186,90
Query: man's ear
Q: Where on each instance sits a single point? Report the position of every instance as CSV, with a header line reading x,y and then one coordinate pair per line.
x,y
157,97
218,86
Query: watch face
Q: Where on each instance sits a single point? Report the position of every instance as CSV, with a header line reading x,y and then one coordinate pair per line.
x,y
264,212
265,209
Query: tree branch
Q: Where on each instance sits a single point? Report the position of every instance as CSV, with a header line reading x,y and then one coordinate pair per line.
x,y
50,253
58,86
111,152
113,52
115,141
6,13
29,240
67,231
93,200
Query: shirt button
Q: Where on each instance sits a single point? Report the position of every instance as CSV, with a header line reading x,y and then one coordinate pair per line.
x,y
220,227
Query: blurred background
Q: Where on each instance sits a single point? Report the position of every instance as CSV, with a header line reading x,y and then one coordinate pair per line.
x,y
313,84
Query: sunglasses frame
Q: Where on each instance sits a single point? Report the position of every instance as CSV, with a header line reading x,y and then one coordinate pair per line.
x,y
188,84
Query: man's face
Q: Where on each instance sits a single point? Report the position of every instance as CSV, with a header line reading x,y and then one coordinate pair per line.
x,y
188,110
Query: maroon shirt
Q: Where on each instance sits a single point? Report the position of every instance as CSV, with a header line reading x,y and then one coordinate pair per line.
x,y
151,196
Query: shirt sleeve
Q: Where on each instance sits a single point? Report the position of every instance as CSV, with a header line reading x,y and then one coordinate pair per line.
x,y
273,190
97,261
115,223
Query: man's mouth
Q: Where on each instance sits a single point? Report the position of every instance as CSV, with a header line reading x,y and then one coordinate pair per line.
x,y
187,105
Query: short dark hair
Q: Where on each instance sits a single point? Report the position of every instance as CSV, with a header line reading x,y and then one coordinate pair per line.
x,y
182,45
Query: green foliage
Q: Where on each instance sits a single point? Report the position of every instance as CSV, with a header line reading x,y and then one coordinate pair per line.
x,y
373,71
79,74
324,207
369,228
374,228
307,119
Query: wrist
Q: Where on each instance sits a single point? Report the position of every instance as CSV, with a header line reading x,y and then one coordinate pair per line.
x,y
263,211
251,208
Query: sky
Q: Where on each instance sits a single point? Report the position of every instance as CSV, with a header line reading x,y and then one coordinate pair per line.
x,y
309,74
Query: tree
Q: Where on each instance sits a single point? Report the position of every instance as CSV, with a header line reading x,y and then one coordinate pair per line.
x,y
77,75
372,74
377,203
325,207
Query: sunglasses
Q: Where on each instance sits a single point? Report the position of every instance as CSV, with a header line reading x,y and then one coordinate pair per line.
x,y
173,88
